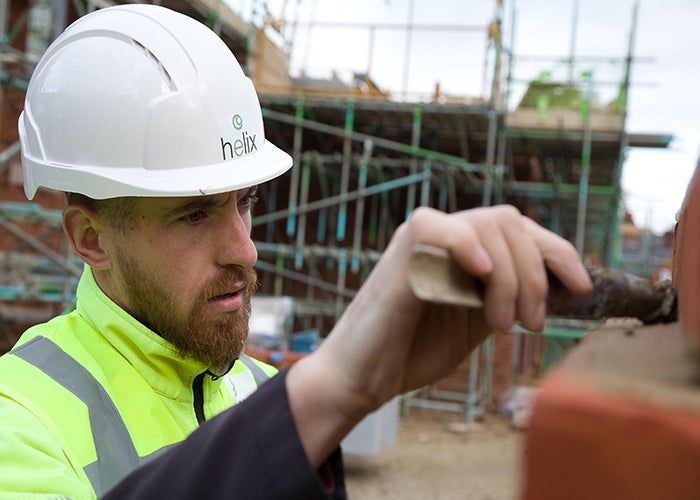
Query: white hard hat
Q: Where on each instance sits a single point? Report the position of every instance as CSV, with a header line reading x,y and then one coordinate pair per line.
x,y
139,100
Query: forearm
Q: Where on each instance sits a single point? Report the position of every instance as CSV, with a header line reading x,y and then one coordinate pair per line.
x,y
321,415
387,341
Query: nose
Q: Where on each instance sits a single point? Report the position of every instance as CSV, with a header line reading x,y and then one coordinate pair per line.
x,y
235,246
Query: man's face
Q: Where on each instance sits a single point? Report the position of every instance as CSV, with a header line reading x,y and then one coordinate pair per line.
x,y
184,269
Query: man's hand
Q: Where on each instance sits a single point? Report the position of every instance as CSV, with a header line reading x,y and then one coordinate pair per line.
x,y
388,341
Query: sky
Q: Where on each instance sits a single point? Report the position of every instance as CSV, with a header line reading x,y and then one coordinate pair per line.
x,y
665,78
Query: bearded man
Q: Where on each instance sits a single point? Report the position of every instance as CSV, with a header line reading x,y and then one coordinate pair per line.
x,y
146,119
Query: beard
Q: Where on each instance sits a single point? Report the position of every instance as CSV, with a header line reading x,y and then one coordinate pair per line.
x,y
214,340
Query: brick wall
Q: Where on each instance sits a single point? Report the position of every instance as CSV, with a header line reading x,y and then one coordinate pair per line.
x,y
501,369
16,316
517,359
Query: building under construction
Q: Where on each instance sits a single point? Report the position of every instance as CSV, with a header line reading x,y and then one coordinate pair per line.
x,y
364,157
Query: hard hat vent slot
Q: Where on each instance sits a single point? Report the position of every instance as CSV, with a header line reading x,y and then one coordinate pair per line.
x,y
156,61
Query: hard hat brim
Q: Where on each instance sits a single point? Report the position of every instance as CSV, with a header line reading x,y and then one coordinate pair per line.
x,y
112,182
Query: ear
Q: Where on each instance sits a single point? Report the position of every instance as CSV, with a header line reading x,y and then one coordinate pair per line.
x,y
85,230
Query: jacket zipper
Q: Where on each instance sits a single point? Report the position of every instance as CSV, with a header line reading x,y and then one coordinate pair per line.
x,y
198,393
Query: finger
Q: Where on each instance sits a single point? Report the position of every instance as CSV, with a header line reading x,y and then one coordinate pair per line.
x,y
517,288
477,240
502,286
561,258
531,275
432,227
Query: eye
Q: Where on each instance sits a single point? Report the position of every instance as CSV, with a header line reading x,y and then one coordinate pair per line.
x,y
248,201
194,217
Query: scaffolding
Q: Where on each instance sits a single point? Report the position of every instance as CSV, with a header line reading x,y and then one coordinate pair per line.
x,y
366,157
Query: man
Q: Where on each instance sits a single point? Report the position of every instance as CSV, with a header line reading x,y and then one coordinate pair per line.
x,y
146,120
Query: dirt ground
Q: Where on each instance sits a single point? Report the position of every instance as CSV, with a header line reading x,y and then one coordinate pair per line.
x,y
436,457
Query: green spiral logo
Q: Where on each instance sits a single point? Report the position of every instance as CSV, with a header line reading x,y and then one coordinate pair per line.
x,y
237,122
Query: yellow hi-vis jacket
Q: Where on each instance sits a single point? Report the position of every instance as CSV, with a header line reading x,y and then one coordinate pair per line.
x,y
89,396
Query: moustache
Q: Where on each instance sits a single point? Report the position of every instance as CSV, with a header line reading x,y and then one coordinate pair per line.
x,y
230,281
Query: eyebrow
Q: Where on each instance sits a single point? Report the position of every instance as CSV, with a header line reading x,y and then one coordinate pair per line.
x,y
197,203
201,203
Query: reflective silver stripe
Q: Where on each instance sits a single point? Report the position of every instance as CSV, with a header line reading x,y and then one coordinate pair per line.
x,y
258,373
116,455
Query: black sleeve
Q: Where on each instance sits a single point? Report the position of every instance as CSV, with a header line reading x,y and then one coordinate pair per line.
x,y
251,451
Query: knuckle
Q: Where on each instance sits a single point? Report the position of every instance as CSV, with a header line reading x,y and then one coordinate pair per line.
x,y
509,211
508,215
420,214
421,218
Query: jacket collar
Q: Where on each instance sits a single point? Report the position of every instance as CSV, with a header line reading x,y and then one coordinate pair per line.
x,y
154,357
